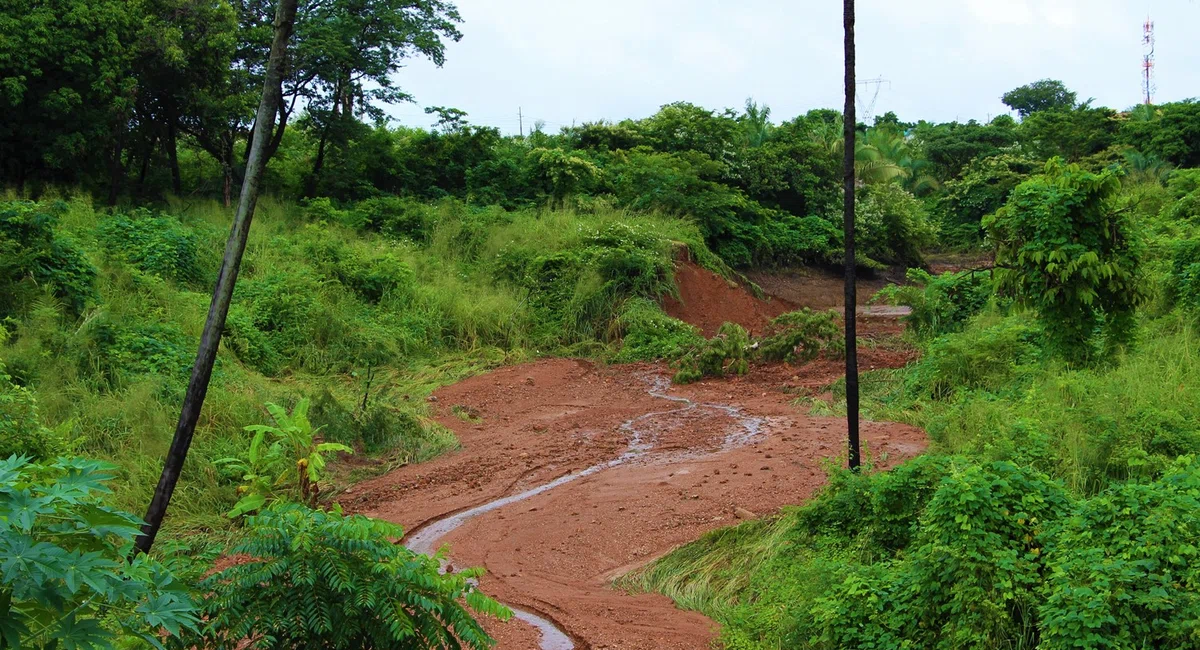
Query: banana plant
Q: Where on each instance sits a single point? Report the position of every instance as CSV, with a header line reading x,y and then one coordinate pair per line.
x,y
286,455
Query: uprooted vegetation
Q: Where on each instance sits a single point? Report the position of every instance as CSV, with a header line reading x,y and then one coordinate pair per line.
x,y
795,337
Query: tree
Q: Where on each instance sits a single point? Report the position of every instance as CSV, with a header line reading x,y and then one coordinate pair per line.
x,y
210,338
848,189
952,146
1072,134
1170,132
1064,248
66,89
347,53
982,189
1044,95
756,123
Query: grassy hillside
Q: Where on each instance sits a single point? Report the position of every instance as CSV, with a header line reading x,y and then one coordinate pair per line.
x,y
363,310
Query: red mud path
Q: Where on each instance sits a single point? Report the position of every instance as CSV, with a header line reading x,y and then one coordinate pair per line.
x,y
556,553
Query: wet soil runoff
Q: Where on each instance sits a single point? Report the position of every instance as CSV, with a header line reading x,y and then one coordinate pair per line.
x,y
573,474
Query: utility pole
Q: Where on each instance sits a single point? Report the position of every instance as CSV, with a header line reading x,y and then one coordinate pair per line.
x,y
849,126
210,338
520,122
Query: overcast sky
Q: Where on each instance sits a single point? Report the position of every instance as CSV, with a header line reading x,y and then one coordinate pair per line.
x,y
565,61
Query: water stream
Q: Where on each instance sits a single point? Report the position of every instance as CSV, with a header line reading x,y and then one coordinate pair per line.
x,y
425,539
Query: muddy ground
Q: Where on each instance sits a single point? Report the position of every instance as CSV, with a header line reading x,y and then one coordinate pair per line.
x,y
556,553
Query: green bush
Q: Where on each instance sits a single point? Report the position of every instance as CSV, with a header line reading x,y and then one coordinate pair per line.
x,y
726,353
978,358
940,304
21,432
321,579
971,577
117,353
648,334
395,217
154,243
34,253
801,336
66,579
1123,570
892,224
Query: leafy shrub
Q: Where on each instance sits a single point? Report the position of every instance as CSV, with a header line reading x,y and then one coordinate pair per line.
x,y
1123,570
20,430
116,353
154,243
577,291
405,434
250,344
318,579
290,463
971,577
983,357
651,335
801,336
1063,249
723,354
982,188
396,217
940,304
1183,283
375,276
892,225
280,305
66,580
33,253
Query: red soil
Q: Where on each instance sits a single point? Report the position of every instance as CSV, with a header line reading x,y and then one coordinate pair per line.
x,y
556,553
707,301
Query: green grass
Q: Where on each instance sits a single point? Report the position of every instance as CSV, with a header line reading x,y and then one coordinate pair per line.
x,y
320,307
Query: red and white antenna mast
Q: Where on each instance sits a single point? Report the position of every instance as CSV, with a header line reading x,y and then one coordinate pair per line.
x,y
1148,61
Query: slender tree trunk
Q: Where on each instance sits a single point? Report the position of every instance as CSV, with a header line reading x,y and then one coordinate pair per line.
x,y
210,339
116,170
148,153
850,124
172,146
314,177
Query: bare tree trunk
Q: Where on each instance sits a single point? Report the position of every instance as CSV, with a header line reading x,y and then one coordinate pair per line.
x,y
116,170
172,146
849,125
210,339
227,188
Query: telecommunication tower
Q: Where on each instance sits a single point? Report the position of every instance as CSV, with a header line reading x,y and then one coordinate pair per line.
x,y
1148,61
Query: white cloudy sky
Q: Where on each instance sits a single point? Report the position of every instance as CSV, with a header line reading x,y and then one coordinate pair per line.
x,y
565,61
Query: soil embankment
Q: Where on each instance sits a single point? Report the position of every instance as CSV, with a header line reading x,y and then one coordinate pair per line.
x,y
708,301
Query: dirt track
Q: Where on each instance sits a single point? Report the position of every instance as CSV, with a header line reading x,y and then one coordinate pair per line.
x,y
555,553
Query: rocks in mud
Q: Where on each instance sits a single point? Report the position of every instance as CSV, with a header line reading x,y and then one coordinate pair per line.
x,y
742,513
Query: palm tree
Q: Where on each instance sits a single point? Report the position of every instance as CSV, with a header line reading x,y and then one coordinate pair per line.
x,y
756,123
848,168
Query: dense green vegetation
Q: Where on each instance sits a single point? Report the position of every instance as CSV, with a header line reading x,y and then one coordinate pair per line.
x,y
1057,506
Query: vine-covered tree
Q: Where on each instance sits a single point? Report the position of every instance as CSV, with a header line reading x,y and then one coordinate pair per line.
x,y
1063,248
